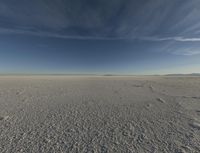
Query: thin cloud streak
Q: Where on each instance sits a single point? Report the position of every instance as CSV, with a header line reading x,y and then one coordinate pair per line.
x,y
179,39
187,52
56,35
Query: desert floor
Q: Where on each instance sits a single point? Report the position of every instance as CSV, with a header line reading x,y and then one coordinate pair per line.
x,y
140,114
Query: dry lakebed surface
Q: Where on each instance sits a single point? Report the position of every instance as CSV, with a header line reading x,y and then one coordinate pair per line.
x,y
99,114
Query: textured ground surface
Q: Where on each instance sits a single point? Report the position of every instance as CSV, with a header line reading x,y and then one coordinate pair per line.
x,y
99,114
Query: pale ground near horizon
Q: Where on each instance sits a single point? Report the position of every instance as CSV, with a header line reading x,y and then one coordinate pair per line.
x,y
99,114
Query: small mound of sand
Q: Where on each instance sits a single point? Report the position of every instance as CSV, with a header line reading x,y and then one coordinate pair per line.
x,y
195,125
3,118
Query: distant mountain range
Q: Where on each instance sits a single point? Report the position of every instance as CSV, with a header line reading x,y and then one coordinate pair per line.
x,y
191,74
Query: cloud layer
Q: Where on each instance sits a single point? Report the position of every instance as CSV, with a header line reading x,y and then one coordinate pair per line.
x,y
102,18
147,20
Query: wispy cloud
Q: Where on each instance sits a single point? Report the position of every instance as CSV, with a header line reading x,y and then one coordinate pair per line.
x,y
40,33
187,52
181,48
179,39
51,34
187,39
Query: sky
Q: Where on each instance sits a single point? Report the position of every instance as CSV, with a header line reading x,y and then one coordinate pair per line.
x,y
99,36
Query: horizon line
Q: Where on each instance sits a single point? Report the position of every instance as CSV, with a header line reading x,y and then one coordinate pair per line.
x,y
92,74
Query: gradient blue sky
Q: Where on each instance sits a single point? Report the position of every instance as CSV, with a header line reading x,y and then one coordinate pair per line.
x,y
100,36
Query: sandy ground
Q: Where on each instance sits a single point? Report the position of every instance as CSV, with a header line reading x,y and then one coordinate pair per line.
x,y
99,114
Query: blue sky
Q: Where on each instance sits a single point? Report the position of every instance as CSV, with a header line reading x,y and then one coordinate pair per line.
x,y
100,36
